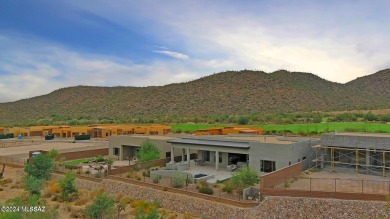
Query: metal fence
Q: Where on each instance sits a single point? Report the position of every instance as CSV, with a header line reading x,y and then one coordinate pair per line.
x,y
342,185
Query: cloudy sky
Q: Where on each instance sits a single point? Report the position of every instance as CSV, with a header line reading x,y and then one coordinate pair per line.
x,y
46,45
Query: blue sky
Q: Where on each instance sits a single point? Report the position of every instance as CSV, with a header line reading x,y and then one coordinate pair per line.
x,y
46,45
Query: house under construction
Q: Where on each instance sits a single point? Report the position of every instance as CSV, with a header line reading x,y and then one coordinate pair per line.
x,y
228,130
366,153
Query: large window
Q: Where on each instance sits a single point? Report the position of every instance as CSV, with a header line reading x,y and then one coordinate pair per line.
x,y
116,151
219,158
267,166
206,155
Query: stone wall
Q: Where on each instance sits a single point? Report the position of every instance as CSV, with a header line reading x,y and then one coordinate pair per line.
x,y
177,202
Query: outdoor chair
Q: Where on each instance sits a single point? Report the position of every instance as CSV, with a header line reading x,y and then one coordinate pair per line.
x,y
201,162
231,167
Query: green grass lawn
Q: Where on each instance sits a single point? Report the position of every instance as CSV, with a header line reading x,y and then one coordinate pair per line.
x,y
300,128
74,162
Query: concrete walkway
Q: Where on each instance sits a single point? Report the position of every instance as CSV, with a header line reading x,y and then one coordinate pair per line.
x,y
209,170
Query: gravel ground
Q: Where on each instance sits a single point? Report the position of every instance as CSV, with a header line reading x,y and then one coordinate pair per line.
x,y
288,207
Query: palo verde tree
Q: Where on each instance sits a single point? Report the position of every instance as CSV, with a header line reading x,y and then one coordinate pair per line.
x,y
147,152
102,206
33,185
68,188
243,178
41,165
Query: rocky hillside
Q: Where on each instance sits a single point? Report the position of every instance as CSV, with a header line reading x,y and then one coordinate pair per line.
x,y
232,92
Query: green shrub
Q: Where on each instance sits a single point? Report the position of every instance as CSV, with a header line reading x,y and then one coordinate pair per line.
x,y
243,120
102,206
33,185
228,189
40,166
99,158
147,152
177,182
206,190
131,174
68,188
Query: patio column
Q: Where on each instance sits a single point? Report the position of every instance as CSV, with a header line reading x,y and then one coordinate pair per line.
x,y
188,156
368,163
216,160
172,156
182,154
121,152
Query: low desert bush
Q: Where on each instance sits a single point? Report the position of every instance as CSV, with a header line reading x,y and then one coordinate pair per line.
x,y
5,181
228,189
206,190
82,201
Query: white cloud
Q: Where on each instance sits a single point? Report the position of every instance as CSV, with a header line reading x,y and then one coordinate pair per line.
x,y
335,40
294,42
176,55
337,43
28,73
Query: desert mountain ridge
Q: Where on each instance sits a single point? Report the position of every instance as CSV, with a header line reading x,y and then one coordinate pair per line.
x,y
225,93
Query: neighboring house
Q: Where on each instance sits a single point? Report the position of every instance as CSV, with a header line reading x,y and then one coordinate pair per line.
x,y
357,152
95,131
262,153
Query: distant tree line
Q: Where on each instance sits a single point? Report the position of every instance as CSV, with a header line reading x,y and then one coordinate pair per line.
x,y
252,119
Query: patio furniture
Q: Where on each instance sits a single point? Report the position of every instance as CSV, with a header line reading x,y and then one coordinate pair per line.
x,y
201,162
241,164
231,167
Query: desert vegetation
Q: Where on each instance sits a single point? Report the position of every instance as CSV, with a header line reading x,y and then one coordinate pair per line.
x,y
217,98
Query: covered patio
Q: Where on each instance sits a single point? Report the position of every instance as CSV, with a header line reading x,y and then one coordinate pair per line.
x,y
219,175
221,154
